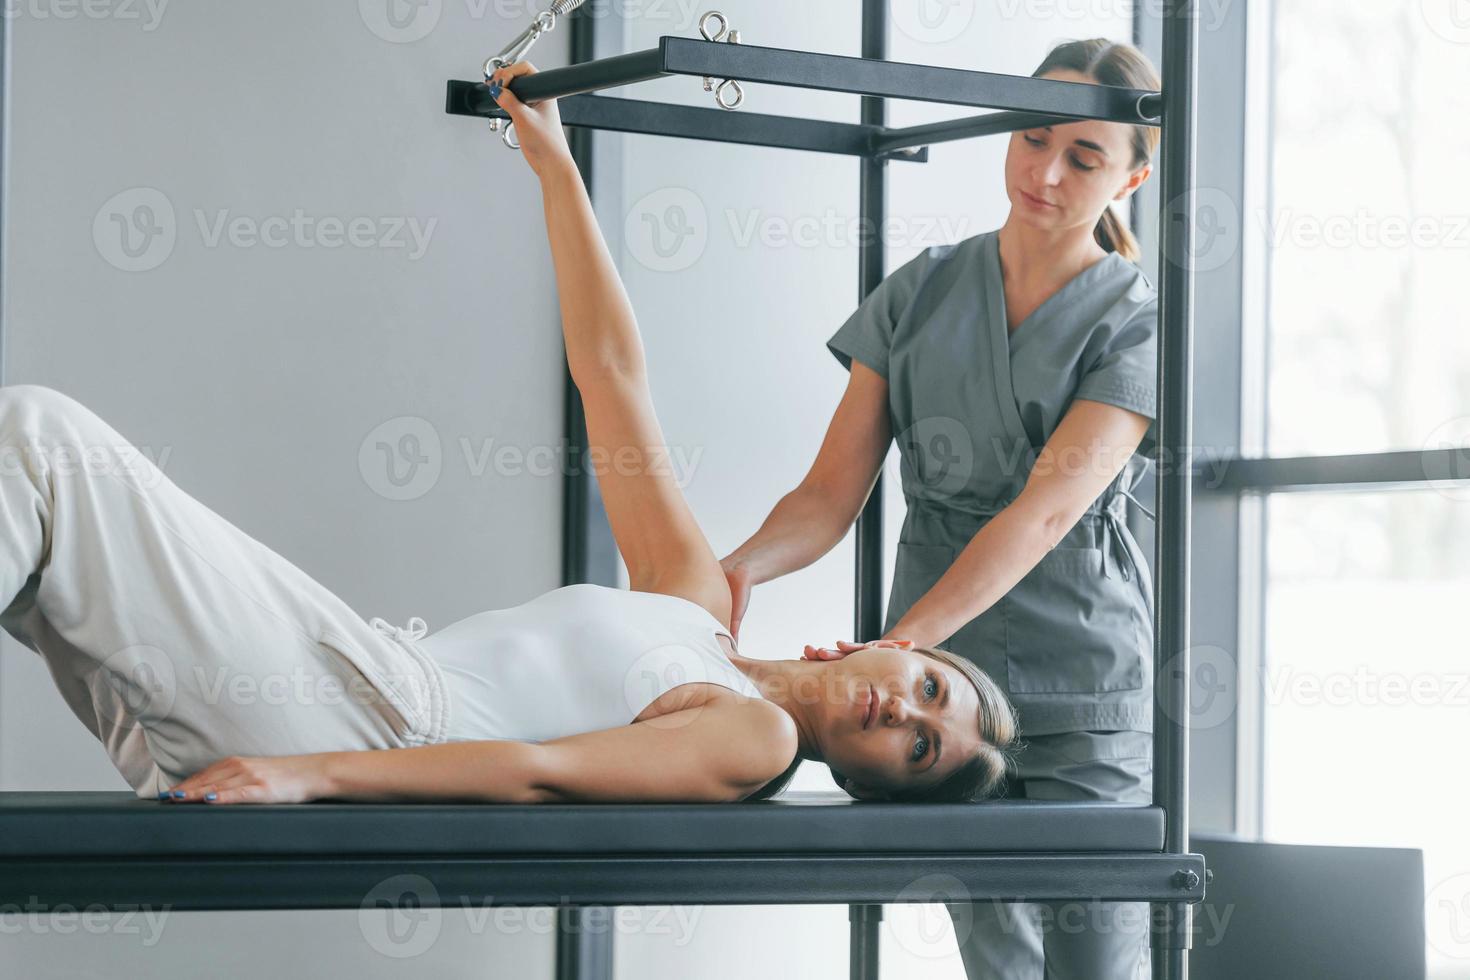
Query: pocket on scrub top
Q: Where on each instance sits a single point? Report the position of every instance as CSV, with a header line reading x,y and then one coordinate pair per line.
x,y
396,691
915,570
1072,630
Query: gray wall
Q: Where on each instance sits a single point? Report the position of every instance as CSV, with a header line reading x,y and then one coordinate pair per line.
x,y
256,374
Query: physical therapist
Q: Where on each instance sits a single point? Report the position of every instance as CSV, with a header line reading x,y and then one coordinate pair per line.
x,y
1017,371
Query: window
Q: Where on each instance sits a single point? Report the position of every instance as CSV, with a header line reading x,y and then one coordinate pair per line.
x,y
1366,687
1369,227
1364,693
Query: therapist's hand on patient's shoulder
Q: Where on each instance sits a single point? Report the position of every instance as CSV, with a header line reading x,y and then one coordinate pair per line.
x,y
739,578
845,647
538,125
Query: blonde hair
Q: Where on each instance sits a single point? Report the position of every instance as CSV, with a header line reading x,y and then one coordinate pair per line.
x,y
1122,65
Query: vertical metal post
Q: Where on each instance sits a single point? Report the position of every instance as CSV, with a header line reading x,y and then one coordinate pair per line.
x,y
872,208
862,956
584,949
868,571
1171,920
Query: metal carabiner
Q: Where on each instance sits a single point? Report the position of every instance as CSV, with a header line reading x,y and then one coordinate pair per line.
x,y
731,37
516,50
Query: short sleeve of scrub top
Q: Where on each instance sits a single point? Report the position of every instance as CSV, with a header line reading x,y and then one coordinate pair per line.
x,y
867,336
972,401
1124,370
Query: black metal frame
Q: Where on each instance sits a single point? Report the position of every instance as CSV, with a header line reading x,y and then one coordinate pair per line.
x,y
1021,102
1399,470
1170,878
246,882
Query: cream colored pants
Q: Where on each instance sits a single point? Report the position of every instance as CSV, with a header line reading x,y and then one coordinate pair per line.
x,y
175,637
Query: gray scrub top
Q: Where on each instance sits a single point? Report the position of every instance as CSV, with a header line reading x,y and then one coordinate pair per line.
x,y
971,406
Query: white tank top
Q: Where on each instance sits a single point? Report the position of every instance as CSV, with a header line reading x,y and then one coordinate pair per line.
x,y
576,659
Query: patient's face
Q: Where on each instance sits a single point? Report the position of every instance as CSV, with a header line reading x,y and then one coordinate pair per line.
x,y
924,720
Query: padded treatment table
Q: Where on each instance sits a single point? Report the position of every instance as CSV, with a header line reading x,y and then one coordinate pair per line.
x,y
113,849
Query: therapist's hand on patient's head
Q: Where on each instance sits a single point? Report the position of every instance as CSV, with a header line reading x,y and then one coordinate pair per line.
x,y
845,647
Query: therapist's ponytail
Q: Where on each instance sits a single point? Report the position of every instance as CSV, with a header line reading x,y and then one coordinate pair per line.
x,y
1114,236
1110,63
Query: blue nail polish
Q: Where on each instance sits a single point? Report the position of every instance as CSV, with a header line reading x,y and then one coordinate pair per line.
x,y
163,795
211,796
495,90
179,793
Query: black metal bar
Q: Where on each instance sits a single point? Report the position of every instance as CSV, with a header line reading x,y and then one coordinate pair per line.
x,y
591,76
872,76
890,140
863,941
872,209
863,938
867,76
688,122
1170,934
584,943
348,882
1405,470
